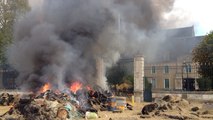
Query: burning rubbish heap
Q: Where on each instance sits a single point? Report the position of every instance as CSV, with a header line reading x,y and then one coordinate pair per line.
x,y
52,105
48,106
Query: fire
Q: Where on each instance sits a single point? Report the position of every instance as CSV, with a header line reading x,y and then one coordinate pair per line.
x,y
45,87
89,88
75,86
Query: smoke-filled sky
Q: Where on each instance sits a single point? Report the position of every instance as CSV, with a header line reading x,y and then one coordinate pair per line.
x,y
60,40
194,12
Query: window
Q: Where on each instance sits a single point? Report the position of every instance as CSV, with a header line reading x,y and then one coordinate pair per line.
x,y
153,69
166,83
188,68
153,83
166,69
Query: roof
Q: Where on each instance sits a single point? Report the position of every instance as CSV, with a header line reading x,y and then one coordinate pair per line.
x,y
180,32
176,47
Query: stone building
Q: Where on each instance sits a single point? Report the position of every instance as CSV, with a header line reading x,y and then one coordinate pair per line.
x,y
173,68
171,76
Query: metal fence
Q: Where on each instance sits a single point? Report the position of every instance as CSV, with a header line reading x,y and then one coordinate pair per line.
x,y
8,76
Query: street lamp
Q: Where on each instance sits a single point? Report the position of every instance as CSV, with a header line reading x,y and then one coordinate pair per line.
x,y
184,81
186,67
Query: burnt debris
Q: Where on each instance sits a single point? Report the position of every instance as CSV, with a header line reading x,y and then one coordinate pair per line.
x,y
52,105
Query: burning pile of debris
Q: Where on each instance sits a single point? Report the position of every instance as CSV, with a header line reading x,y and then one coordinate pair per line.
x,y
173,108
82,102
47,105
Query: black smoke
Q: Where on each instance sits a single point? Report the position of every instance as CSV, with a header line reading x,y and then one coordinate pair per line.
x,y
61,40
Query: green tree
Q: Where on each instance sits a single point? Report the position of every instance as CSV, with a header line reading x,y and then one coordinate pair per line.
x,y
204,83
115,75
203,55
129,79
10,11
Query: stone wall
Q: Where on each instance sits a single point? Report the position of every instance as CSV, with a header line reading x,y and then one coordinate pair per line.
x,y
192,95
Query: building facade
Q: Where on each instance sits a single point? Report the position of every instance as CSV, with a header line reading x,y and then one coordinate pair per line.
x,y
173,69
172,76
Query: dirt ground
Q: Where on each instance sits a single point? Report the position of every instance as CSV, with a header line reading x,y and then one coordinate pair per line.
x,y
125,115
133,114
106,115
4,109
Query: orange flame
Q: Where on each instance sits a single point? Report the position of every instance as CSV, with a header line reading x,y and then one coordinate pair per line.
x,y
89,88
45,87
75,86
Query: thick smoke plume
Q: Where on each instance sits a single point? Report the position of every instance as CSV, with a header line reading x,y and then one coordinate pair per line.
x,y
61,40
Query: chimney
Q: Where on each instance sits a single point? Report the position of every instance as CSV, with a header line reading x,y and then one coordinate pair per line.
x,y
138,78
